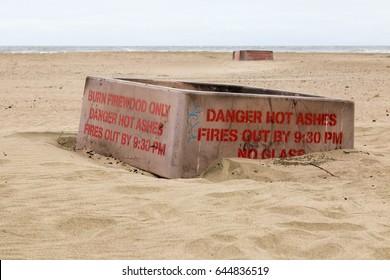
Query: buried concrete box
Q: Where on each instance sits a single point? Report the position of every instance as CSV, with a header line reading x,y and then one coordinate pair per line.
x,y
177,129
253,55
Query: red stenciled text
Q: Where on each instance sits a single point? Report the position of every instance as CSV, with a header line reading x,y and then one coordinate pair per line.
x,y
234,116
93,130
316,119
102,115
129,103
316,137
278,117
268,153
126,121
150,126
217,134
97,96
159,109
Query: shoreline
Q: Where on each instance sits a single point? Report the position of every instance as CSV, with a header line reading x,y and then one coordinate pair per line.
x,y
226,48
192,52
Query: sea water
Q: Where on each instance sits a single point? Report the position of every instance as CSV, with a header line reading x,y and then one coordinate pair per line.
x,y
69,49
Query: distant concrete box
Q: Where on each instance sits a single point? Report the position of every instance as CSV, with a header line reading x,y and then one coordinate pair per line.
x,y
177,129
253,55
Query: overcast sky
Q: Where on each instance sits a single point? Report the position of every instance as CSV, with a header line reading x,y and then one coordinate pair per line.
x,y
194,22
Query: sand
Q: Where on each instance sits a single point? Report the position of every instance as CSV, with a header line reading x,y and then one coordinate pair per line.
x,y
57,203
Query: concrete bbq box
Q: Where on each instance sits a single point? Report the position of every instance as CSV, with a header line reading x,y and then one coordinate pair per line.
x,y
176,129
253,55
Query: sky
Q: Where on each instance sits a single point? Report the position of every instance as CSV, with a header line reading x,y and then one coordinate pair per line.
x,y
194,22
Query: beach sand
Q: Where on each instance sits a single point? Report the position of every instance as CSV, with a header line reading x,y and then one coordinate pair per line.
x,y
57,203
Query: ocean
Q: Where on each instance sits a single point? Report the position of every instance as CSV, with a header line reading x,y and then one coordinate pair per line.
x,y
69,49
